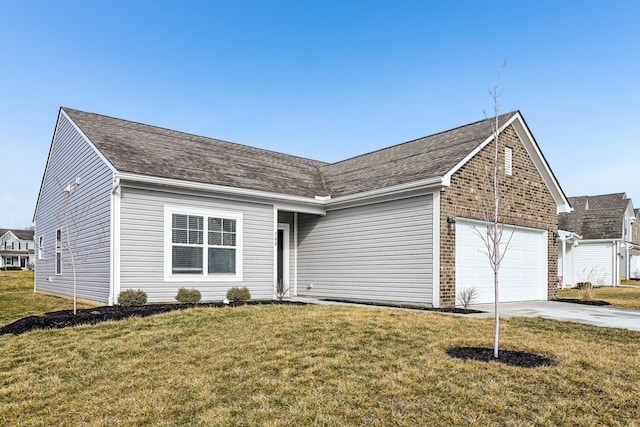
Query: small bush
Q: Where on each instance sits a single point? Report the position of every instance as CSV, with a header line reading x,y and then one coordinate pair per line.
x,y
467,296
584,285
190,296
238,294
586,289
132,297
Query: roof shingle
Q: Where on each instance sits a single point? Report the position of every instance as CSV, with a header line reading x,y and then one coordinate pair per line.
x,y
149,150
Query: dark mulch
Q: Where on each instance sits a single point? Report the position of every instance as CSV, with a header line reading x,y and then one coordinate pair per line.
x,y
92,316
520,359
582,301
404,305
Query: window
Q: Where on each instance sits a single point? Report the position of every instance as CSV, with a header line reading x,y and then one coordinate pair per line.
x,y
40,243
58,251
508,160
9,261
203,245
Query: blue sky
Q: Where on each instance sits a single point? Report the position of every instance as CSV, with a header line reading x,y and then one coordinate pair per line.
x,y
325,79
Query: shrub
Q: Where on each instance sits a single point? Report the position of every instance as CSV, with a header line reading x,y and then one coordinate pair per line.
x,y
191,296
238,294
467,296
586,289
132,297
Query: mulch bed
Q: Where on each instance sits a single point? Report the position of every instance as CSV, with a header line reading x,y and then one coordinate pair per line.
x,y
520,359
92,316
582,301
410,306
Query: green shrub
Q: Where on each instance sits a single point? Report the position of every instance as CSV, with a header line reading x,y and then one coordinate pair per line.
x,y
188,295
238,294
132,297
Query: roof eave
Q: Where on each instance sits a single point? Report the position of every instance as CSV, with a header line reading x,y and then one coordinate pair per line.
x,y
299,203
389,193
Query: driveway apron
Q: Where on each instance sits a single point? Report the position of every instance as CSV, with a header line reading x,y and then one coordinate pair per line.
x,y
571,312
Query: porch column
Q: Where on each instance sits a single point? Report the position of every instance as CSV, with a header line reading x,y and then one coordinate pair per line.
x,y
564,255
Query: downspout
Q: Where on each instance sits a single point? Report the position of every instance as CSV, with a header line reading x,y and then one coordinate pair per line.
x,y
295,254
115,242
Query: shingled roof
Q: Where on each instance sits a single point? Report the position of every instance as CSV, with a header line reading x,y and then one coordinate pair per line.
x,y
20,234
596,217
153,151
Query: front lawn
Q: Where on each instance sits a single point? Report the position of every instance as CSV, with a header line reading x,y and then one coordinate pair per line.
x,y
316,365
18,300
626,297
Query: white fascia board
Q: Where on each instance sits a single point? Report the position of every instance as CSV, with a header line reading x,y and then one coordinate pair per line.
x,y
288,202
388,193
600,241
541,164
478,148
61,114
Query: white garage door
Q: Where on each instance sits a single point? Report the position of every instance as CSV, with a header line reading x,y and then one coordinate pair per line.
x,y
523,271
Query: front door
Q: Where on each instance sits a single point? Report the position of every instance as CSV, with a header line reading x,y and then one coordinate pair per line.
x,y
282,276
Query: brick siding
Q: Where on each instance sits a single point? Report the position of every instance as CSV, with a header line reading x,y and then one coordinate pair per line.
x,y
525,201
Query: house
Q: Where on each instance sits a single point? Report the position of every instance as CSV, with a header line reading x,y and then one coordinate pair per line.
x,y
162,210
16,248
608,243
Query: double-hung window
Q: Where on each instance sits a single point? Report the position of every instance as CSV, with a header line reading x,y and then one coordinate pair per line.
x,y
203,245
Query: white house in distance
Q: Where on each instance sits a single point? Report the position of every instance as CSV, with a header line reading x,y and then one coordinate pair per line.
x,y
598,241
16,248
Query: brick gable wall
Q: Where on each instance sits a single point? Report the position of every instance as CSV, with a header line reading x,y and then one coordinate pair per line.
x,y
525,201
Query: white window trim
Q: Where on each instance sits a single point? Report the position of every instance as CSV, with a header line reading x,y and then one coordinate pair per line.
x,y
204,277
58,268
40,243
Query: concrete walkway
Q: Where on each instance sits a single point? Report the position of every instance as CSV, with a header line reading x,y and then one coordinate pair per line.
x,y
580,313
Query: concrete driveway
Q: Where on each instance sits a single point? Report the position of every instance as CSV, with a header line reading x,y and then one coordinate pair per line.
x,y
580,313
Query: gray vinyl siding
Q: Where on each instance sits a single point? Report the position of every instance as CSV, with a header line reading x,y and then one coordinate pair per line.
x,y
88,212
142,245
382,251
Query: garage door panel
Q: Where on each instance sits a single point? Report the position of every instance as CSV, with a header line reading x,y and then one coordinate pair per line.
x,y
523,271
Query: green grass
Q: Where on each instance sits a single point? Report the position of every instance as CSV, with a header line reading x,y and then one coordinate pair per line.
x,y
628,298
18,300
315,365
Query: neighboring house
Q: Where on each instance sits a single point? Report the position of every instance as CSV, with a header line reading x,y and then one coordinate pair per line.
x,y
607,230
16,248
164,210
634,257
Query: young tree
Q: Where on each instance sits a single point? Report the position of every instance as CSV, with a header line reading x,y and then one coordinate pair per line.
x,y
73,244
491,206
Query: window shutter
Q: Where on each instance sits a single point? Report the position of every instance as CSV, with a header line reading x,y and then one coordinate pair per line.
x,y
508,161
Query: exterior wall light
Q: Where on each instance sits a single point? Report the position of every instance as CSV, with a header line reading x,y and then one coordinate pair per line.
x,y
451,224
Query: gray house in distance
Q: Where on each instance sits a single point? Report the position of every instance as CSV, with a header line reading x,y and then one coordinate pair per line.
x,y
607,249
155,209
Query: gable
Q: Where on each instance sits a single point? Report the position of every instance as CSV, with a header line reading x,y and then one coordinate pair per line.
x,y
517,123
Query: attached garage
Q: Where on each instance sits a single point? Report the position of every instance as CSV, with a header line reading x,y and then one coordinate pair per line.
x,y
523,271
